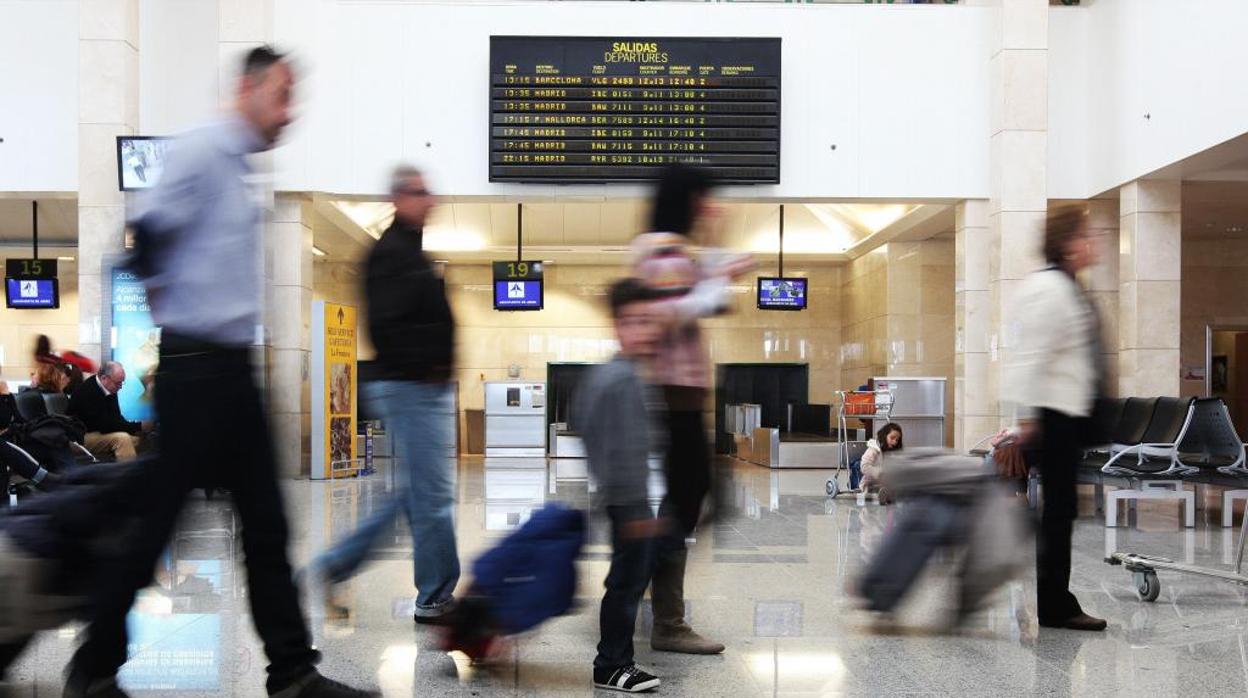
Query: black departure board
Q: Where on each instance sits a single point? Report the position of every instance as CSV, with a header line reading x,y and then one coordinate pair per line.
x,y
613,109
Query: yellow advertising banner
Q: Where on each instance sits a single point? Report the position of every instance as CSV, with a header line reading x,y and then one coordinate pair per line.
x,y
337,392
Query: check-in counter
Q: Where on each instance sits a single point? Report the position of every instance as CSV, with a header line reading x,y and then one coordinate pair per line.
x,y
765,447
564,443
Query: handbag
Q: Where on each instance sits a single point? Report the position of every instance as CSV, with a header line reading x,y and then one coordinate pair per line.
x,y
1009,461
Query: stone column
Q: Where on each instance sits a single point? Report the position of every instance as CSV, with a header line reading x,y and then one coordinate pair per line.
x,y
1150,272
1102,281
108,106
974,403
289,294
1018,155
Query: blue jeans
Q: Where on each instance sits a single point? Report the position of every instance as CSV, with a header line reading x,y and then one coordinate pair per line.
x,y
417,417
632,563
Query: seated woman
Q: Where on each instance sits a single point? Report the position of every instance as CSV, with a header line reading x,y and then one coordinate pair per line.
x,y
50,376
888,438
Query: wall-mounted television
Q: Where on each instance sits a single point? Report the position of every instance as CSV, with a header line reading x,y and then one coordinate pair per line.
x,y
31,294
518,286
30,284
140,161
781,293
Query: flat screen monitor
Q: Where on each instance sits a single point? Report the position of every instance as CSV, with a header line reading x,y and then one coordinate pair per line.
x,y
518,285
518,295
781,293
31,294
140,161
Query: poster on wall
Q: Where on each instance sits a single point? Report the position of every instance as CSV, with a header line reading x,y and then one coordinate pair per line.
x,y
334,386
135,343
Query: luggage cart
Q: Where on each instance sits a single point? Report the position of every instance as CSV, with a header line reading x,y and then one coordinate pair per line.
x,y
1143,568
867,405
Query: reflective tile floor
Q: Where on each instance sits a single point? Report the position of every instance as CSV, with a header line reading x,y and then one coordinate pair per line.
x,y
772,583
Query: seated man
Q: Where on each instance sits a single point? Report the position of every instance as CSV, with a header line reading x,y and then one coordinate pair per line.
x,y
95,403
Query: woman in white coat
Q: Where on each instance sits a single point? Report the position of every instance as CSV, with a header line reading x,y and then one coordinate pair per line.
x,y
1058,377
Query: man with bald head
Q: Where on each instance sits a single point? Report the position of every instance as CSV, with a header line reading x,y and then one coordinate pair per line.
x,y
95,404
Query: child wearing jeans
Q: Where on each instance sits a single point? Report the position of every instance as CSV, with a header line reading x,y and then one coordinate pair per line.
x,y
615,415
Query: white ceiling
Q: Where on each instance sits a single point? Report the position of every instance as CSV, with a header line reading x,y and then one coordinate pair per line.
x,y
58,222
598,231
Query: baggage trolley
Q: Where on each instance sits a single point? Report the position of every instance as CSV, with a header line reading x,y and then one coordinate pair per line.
x,y
1143,568
867,405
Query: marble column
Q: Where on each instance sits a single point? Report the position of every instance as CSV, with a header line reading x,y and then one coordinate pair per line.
x,y
288,243
1102,281
108,106
1150,272
1018,156
974,403
286,347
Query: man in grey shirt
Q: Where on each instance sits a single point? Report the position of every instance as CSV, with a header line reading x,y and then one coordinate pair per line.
x,y
197,240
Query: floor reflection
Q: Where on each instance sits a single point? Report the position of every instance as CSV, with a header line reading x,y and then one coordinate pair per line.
x,y
772,579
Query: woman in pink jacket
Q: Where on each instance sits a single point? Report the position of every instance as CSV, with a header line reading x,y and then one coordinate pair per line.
x,y
695,285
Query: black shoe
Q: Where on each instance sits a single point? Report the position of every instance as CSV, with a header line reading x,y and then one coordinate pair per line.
x,y
628,679
1082,621
316,686
102,688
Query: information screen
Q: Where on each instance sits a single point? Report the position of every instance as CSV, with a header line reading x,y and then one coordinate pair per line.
x,y
140,161
31,293
31,283
781,293
610,109
518,285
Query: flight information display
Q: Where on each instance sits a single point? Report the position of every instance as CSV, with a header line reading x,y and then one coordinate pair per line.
x,y
612,109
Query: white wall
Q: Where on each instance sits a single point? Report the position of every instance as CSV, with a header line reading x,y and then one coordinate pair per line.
x,y
39,95
178,62
1113,61
901,91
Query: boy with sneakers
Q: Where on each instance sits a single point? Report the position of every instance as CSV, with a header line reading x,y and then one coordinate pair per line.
x,y
614,415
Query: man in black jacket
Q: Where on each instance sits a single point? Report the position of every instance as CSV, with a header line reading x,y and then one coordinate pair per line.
x,y
408,386
94,402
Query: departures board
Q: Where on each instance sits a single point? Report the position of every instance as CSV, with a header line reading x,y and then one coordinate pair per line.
x,y
614,109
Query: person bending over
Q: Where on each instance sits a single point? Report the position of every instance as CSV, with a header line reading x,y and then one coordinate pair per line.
x,y
888,438
95,403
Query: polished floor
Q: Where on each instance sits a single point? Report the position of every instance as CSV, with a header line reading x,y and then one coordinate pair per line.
x,y
772,582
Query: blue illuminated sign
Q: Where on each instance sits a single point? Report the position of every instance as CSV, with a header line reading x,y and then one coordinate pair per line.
x,y
31,293
517,295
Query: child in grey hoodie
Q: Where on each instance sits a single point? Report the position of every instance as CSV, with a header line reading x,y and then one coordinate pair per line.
x,y
615,415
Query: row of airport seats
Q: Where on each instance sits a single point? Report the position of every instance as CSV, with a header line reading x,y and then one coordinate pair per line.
x,y
1156,445
33,404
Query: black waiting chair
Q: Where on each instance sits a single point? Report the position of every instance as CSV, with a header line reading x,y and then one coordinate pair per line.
x,y
31,405
56,403
1156,453
1211,440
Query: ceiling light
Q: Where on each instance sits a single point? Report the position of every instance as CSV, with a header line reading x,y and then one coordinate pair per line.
x,y
548,261
448,239
64,259
441,261
318,251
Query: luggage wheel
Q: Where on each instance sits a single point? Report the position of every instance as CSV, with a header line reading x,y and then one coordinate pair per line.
x,y
1147,586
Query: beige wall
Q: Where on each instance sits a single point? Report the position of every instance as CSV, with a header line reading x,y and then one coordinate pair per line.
x,y
1214,292
19,327
898,316
864,318
889,312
